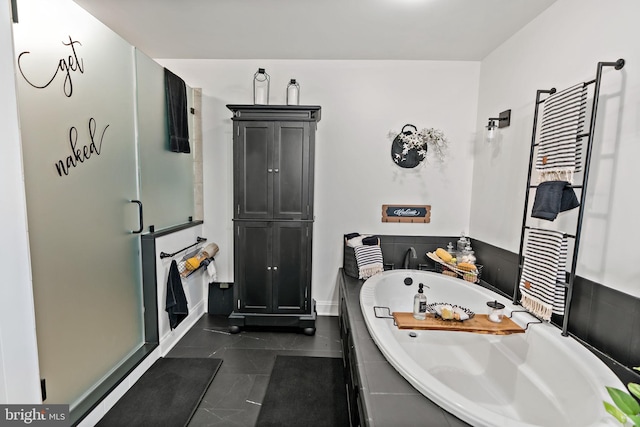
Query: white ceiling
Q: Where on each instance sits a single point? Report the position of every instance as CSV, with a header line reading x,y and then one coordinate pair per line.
x,y
316,29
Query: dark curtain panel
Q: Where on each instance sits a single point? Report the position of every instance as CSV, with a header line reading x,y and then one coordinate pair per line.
x,y
176,95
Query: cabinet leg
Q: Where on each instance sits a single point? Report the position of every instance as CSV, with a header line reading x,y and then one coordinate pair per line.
x,y
234,329
309,331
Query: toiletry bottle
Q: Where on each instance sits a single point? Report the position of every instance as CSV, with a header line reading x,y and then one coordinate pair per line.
x,y
420,304
450,249
462,242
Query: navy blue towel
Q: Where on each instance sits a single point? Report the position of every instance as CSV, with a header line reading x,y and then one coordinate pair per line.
x,y
176,303
176,99
553,197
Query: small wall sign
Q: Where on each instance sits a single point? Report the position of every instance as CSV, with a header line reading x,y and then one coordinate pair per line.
x,y
406,213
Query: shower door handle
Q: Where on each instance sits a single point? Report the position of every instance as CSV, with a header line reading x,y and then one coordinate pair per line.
x,y
140,218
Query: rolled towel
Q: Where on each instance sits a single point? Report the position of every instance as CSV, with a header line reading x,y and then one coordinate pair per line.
x,y
371,241
210,250
192,263
356,241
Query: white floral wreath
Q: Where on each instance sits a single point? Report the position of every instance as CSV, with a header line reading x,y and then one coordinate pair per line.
x,y
421,141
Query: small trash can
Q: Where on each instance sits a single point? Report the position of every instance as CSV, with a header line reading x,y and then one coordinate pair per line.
x,y
220,298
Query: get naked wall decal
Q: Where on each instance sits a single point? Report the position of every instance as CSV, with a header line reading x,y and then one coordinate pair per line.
x,y
67,66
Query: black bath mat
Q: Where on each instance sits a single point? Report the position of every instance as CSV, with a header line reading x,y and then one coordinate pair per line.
x,y
166,395
305,391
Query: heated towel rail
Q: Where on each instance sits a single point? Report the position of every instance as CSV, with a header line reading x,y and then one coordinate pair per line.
x,y
583,186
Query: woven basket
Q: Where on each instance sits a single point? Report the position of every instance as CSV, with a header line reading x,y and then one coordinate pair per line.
x,y
349,263
473,278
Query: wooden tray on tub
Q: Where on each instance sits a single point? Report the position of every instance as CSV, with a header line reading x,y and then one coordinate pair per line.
x,y
479,324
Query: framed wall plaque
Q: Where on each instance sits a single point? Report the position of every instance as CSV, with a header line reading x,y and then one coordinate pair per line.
x,y
406,213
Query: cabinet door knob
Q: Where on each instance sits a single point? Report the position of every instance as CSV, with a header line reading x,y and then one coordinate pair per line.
x,y
269,170
268,268
276,170
275,268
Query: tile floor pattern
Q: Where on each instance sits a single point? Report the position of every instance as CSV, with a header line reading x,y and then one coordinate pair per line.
x,y
237,390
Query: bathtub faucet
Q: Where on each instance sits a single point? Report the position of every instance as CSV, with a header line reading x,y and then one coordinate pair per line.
x,y
411,253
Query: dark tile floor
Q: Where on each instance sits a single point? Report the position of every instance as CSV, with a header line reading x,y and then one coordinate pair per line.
x,y
237,390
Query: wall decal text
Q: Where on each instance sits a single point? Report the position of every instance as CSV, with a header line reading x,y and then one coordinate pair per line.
x,y
66,65
79,155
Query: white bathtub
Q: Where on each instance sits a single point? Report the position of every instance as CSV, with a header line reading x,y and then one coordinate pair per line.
x,y
538,378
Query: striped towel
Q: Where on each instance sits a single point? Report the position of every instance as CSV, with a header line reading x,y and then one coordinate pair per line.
x,y
543,273
369,259
560,150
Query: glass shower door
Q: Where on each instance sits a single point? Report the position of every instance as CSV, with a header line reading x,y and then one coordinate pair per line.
x,y
76,97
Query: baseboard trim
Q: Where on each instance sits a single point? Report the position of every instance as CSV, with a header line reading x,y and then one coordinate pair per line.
x,y
171,338
326,308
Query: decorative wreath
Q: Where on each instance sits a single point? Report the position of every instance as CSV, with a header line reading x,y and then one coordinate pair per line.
x,y
409,147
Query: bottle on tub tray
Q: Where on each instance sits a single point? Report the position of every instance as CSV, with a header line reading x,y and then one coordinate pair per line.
x,y
420,304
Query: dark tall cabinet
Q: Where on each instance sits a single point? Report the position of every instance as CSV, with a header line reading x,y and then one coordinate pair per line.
x,y
273,158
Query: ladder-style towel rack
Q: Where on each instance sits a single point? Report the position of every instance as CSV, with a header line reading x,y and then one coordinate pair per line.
x,y
619,64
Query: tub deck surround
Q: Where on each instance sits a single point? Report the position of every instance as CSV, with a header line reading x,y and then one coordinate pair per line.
x,y
378,395
535,378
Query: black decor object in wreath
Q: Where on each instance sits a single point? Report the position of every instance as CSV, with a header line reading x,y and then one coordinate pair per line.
x,y
413,156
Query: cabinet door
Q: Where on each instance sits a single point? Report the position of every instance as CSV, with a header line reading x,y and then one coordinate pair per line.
x,y
253,164
291,270
292,171
253,267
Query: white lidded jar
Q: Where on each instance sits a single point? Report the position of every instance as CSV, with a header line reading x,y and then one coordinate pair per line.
x,y
261,87
293,93
495,311
467,255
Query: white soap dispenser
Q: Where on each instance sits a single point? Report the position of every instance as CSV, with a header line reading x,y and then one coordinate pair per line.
x,y
420,304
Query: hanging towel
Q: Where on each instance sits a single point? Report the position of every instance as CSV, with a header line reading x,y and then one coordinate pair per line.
x,y
559,148
176,100
543,273
211,270
369,259
176,303
553,197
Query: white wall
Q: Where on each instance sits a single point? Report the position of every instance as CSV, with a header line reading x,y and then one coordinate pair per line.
x,y
19,372
562,47
361,102
195,285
